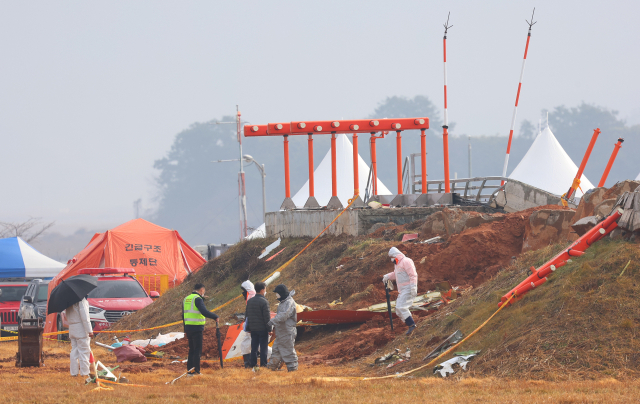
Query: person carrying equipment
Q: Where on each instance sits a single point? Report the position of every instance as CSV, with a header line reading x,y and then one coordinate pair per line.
x,y
285,327
248,291
80,333
194,315
406,277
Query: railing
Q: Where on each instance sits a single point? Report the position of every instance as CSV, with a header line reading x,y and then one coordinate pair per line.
x,y
154,283
468,188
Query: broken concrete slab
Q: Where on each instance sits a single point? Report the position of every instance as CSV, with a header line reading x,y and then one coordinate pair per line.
x,y
584,225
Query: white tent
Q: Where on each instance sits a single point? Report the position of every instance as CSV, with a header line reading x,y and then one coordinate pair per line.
x,y
638,177
344,169
548,167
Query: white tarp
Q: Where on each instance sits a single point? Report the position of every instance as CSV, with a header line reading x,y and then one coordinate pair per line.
x,y
548,167
344,169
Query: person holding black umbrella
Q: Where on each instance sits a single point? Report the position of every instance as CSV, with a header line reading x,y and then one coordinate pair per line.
x,y
194,315
80,333
70,296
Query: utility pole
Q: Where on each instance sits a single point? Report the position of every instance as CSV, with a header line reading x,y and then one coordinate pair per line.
x,y
249,159
242,194
137,208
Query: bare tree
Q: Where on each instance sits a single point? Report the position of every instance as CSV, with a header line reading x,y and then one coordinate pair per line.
x,y
28,230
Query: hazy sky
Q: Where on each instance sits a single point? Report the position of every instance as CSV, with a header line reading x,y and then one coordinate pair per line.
x,y
91,93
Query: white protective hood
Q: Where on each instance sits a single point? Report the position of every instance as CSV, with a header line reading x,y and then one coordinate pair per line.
x,y
548,167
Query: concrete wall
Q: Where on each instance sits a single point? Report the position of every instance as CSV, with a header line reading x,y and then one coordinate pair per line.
x,y
354,222
519,196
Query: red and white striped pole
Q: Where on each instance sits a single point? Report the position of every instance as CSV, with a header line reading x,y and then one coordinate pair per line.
x,y
515,109
445,126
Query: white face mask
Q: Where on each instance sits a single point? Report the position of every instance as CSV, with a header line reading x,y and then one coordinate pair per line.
x,y
393,259
278,295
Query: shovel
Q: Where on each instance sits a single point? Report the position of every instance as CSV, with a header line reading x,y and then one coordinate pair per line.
x,y
219,337
386,289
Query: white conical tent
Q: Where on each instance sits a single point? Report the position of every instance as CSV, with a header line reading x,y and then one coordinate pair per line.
x,y
344,169
638,177
548,167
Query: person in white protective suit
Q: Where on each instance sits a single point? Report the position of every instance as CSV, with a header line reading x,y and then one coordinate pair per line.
x,y
406,277
80,333
285,326
248,291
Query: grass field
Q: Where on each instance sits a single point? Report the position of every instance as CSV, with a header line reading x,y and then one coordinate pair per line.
x,y
53,384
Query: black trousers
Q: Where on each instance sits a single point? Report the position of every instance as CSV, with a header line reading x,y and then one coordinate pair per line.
x,y
259,339
195,350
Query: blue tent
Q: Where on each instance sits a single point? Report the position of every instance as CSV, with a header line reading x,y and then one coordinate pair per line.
x,y
19,260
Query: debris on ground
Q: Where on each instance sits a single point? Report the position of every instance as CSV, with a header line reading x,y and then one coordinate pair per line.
x,y
446,368
450,340
270,248
393,358
130,353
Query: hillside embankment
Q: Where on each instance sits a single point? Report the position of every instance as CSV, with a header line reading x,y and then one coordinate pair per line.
x,y
581,324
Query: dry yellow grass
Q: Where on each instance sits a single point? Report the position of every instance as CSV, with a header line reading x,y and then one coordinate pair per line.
x,y
52,384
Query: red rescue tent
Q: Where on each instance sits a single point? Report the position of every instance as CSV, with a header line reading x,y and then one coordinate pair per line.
x,y
147,248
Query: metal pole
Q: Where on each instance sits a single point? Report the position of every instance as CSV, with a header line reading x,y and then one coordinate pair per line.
x,y
515,109
445,127
334,180
374,166
423,160
399,161
616,148
576,181
287,188
241,183
356,178
311,179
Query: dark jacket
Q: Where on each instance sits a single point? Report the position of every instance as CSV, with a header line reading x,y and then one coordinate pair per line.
x,y
258,314
199,303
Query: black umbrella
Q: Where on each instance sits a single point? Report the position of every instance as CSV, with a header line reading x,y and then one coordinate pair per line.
x,y
70,291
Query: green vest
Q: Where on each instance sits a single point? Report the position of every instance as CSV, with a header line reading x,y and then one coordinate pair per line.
x,y
192,315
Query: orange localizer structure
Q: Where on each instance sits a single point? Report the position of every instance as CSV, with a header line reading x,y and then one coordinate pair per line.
x,y
576,249
576,181
356,179
334,180
311,184
445,127
374,164
287,187
399,161
423,160
616,149
369,126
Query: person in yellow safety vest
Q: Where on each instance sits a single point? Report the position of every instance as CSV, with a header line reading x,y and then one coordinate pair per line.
x,y
194,315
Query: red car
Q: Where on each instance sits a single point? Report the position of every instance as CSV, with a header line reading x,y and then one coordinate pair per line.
x,y
118,294
10,297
